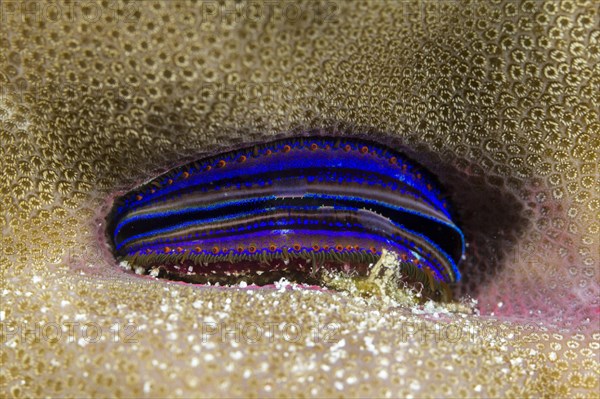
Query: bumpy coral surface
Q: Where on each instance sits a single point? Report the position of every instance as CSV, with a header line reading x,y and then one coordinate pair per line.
x,y
500,99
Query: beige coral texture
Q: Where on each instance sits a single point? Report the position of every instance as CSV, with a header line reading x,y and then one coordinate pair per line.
x,y
495,96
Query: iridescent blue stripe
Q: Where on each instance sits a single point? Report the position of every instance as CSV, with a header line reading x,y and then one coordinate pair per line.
x,y
390,242
245,214
340,162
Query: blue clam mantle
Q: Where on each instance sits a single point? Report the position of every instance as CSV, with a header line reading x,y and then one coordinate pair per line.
x,y
289,206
